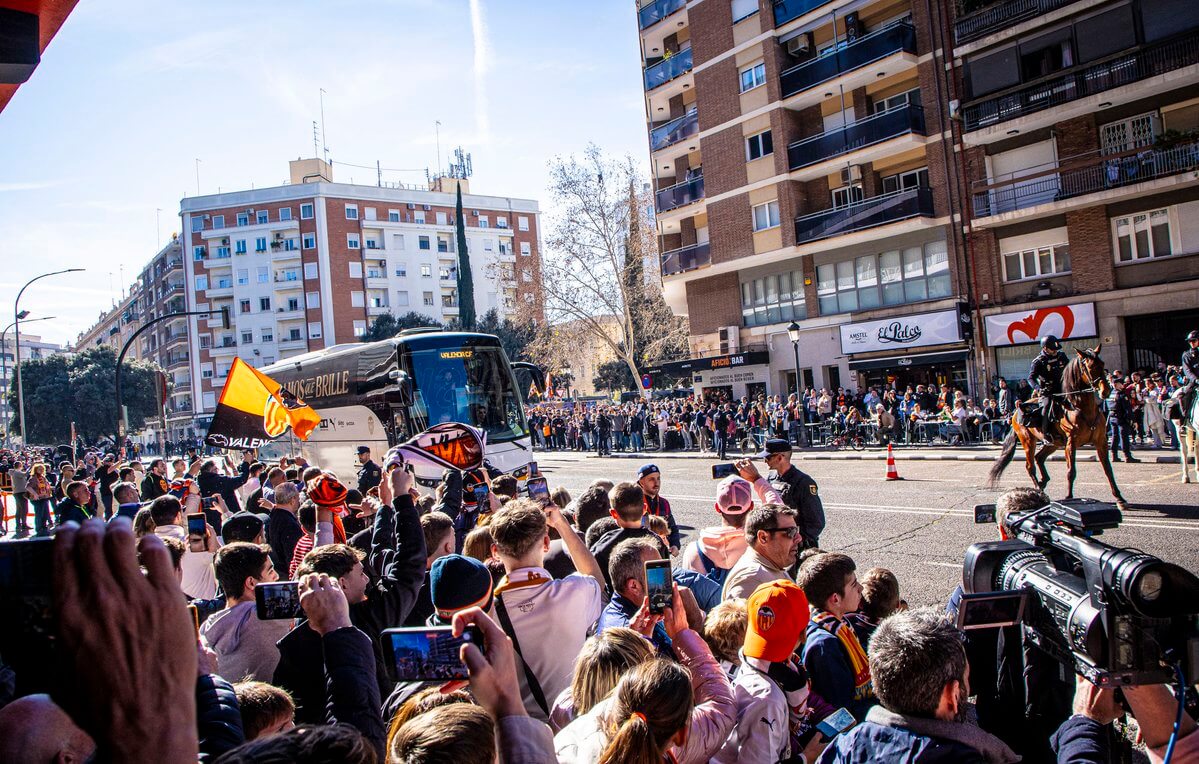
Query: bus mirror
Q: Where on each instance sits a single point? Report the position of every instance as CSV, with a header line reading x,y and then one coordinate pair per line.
x,y
403,383
528,375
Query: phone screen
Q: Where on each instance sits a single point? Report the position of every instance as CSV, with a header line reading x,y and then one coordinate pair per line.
x,y
428,653
539,489
657,582
278,601
208,502
532,469
481,492
987,610
836,723
721,471
195,524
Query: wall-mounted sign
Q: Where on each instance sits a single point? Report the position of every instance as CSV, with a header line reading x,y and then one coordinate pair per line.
x,y
1026,327
919,330
692,365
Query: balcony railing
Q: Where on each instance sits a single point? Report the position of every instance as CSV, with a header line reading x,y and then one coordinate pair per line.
x,y
785,10
1082,81
686,258
868,213
1084,175
674,131
668,69
975,24
857,135
680,194
866,50
656,11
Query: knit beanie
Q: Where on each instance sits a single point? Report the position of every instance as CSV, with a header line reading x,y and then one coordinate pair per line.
x,y
457,582
326,491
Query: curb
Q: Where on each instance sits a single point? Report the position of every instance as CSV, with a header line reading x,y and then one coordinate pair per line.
x,y
861,456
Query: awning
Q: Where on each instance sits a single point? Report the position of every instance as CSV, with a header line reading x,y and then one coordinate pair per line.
x,y
903,361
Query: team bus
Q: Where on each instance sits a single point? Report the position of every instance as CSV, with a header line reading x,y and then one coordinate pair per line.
x,y
382,393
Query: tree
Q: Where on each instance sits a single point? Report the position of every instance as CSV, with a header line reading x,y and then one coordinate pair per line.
x,y
593,273
83,388
466,281
389,325
613,376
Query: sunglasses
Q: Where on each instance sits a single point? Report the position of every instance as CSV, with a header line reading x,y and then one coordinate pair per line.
x,y
788,532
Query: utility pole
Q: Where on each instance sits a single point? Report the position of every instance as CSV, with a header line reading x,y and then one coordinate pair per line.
x,y
437,137
324,132
197,176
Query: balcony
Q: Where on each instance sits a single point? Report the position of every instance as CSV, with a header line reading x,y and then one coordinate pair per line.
x,y
1083,81
656,11
289,342
674,131
680,194
172,339
858,135
377,282
868,213
786,10
1085,174
997,16
286,314
686,259
668,69
228,347
377,310
894,38
220,290
284,284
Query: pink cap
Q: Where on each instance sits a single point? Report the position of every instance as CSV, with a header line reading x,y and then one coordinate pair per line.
x,y
734,495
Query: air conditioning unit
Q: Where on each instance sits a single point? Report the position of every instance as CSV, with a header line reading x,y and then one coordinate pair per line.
x,y
851,174
425,207
411,206
250,211
225,241
475,213
382,263
801,45
730,339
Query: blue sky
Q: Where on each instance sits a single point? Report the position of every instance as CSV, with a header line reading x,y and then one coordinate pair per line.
x,y
131,92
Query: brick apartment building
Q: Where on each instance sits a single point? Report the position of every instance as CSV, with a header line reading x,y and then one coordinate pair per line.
x,y
848,166
310,264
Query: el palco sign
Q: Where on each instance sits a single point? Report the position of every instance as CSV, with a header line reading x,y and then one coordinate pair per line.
x,y
919,330
1065,322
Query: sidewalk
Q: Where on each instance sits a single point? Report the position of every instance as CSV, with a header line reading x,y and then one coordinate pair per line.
x,y
903,453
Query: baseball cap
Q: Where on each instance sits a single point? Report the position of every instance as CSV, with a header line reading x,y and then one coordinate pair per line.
x,y
775,446
778,616
242,526
363,450
648,469
734,495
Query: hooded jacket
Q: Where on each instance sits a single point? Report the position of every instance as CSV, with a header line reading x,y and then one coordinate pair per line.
x,y
721,544
245,646
887,736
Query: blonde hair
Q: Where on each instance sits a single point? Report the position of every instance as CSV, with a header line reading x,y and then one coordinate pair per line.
x,y
143,523
724,629
652,703
38,469
604,659
657,525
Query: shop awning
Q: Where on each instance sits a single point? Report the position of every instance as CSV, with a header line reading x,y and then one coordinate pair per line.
x,y
902,361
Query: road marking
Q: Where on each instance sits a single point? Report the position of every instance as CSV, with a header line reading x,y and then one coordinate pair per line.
x,y
943,564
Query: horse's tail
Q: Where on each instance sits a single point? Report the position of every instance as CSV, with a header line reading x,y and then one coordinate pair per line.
x,y
1005,457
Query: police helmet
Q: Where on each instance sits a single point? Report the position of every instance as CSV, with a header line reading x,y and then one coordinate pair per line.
x,y
1194,335
1051,342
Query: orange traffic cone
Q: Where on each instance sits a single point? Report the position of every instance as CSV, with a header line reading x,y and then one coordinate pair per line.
x,y
892,473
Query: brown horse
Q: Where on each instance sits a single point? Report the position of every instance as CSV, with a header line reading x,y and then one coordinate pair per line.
x,y
1083,423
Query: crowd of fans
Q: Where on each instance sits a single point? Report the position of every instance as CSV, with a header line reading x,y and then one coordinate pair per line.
x,y
765,637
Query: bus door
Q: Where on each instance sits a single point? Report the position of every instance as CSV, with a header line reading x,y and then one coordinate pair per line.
x,y
392,405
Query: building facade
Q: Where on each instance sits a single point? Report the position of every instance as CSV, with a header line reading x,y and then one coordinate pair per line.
x,y
163,292
310,264
116,325
33,347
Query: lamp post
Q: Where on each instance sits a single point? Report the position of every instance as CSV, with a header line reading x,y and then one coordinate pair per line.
x,y
17,333
793,333
4,364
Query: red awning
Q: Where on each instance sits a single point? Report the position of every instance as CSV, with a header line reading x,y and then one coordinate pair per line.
x,y
51,15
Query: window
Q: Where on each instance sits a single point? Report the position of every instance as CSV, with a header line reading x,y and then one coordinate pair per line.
x,y
306,211
268,335
846,195
424,242
247,338
443,245
293,304
351,212
743,9
501,222
1127,134
222,252
355,270
359,328
397,241
243,218
426,271
526,248
289,245
264,216
522,223
314,330
442,218
891,278
758,146
773,299
312,299
352,240
905,181
201,283
1034,263
264,303
375,273
766,215
372,243
753,76
260,244
239,246
897,101
243,276
483,222
294,334
419,216
393,216
357,299
263,274
218,221
243,306
285,213
402,271
309,241
197,224
198,252
488,245
370,213
205,342
401,299
310,270
428,298
1143,235
206,373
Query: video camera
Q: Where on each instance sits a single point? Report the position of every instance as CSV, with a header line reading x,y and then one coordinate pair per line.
x,y
1117,616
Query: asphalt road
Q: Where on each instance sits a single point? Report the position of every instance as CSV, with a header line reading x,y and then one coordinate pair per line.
x,y
921,526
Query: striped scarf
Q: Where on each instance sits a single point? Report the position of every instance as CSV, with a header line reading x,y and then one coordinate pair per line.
x,y
849,640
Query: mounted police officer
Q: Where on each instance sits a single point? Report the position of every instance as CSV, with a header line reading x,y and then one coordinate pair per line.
x,y
1045,376
1190,367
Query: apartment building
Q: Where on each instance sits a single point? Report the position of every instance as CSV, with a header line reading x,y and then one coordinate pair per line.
x,y
163,292
116,325
1080,138
802,182
32,347
310,264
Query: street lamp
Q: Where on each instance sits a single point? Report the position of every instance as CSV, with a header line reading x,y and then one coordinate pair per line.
x,y
4,363
793,333
17,333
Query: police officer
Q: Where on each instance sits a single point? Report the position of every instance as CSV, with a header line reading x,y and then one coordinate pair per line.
x,y
1045,376
369,473
798,489
1190,367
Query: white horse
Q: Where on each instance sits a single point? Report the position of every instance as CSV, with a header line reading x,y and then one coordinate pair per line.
x,y
1188,441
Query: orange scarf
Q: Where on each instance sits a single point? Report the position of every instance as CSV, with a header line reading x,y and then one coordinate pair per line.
x,y
853,648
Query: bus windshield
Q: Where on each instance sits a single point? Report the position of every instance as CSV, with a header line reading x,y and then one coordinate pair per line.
x,y
468,384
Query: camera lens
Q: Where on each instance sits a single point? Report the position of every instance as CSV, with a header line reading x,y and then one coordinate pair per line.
x,y
1148,586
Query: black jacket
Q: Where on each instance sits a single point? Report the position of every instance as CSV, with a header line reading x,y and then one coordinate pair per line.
x,y
369,476
153,486
800,492
602,549
212,483
68,511
1045,373
218,717
353,698
283,532
1190,365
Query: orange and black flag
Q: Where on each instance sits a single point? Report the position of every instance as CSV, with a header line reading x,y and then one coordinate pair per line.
x,y
255,409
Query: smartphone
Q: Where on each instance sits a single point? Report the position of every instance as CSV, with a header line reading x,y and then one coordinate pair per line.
x,y
196,524
277,601
193,612
428,653
480,491
532,470
29,640
721,471
208,502
836,723
657,584
538,489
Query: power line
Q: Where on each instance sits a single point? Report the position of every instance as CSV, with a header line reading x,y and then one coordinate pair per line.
x,y
384,169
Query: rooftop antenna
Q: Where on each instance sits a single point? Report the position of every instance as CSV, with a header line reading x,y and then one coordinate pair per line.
x,y
324,133
437,133
197,176
461,167
316,147
158,226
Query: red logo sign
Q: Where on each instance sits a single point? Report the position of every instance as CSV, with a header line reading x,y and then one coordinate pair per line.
x,y
1031,325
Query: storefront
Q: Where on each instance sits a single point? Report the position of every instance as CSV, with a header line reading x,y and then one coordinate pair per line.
x,y
723,377
1015,338
918,349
